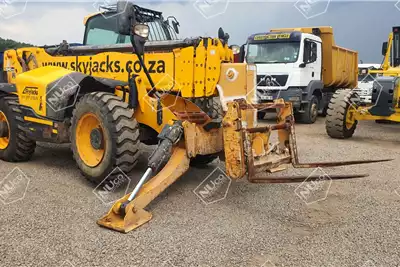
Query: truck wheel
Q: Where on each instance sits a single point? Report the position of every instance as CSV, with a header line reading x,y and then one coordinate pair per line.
x,y
104,136
311,111
339,123
15,146
261,115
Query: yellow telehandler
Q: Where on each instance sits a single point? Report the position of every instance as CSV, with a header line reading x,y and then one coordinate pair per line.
x,y
106,113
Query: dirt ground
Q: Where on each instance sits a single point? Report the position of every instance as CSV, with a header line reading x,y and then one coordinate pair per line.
x,y
357,224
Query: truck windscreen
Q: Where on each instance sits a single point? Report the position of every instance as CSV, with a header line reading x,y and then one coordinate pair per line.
x,y
272,52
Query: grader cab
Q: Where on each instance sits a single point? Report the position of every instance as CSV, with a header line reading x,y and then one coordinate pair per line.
x,y
106,114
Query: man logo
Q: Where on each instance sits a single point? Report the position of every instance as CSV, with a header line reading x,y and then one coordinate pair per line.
x,y
269,81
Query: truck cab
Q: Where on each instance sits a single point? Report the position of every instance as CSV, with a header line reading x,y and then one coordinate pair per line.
x,y
366,81
299,65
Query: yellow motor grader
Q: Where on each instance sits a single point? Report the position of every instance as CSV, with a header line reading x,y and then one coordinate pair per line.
x,y
345,108
105,114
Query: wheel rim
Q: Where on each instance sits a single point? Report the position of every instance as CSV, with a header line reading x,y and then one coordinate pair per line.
x,y
314,111
4,141
349,118
90,155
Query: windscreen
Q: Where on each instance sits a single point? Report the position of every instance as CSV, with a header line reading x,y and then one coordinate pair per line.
x,y
104,31
273,52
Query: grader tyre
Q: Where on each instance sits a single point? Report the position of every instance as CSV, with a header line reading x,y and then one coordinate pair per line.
x,y
104,136
16,147
336,124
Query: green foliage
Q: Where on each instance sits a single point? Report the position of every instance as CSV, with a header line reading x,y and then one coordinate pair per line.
x,y
9,44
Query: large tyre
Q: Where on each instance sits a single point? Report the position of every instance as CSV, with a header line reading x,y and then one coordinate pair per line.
x,y
212,106
16,146
104,136
202,160
337,122
261,115
310,114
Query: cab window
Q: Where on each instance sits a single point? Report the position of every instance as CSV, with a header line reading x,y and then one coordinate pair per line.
x,y
104,31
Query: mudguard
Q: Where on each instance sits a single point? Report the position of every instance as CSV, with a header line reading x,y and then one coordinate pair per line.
x,y
52,91
7,88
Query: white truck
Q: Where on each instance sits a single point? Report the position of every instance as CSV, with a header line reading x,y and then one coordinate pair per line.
x,y
366,81
300,65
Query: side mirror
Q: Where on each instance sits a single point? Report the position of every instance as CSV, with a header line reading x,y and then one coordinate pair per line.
x,y
125,17
242,53
302,65
384,48
175,25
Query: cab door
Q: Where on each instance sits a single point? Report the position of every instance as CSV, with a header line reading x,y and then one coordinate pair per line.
x,y
313,60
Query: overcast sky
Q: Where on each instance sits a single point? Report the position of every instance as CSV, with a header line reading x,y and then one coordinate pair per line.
x,y
361,26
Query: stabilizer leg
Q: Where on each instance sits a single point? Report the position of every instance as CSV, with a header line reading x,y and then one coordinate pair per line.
x,y
135,215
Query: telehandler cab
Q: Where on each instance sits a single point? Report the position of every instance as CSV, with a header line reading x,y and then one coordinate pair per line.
x,y
104,114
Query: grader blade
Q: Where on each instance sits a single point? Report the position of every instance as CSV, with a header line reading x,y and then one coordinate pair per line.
x,y
134,214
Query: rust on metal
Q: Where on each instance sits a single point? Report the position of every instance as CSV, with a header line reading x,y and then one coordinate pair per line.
x,y
338,163
234,142
201,142
299,179
268,128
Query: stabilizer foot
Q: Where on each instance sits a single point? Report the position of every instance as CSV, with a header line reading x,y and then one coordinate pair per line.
x,y
133,218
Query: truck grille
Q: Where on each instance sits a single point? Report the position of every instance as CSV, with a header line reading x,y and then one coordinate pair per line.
x,y
272,80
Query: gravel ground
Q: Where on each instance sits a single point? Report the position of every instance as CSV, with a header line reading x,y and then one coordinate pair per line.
x,y
255,225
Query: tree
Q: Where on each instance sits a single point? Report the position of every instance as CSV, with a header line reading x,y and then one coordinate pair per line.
x,y
10,44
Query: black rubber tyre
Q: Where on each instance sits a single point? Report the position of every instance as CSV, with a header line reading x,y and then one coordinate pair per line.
x,y
311,111
202,160
341,102
120,134
212,106
261,115
20,147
